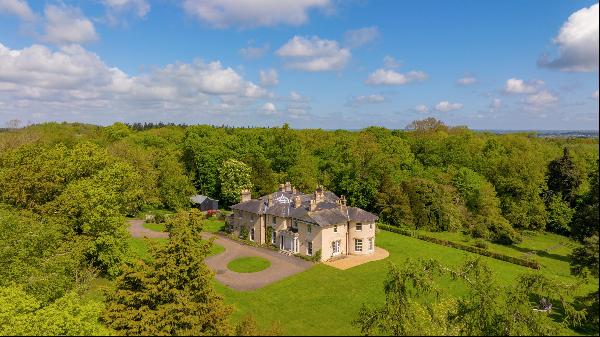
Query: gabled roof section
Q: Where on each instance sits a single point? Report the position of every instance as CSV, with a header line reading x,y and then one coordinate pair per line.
x,y
198,199
329,211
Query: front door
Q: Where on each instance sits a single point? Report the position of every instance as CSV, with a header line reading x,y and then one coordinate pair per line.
x,y
281,242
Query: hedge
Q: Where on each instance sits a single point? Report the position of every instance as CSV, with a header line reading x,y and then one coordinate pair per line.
x,y
472,249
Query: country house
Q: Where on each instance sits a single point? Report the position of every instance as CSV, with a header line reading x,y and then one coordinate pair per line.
x,y
305,224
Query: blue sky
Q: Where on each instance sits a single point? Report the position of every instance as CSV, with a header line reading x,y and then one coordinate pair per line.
x,y
324,63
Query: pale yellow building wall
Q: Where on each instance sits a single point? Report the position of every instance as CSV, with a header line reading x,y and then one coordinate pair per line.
x,y
368,231
328,235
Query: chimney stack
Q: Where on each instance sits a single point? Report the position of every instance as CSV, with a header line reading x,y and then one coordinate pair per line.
x,y
319,196
313,205
343,200
281,187
288,186
245,195
294,190
270,200
297,201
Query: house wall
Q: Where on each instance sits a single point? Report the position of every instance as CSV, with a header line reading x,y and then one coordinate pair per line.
x,y
304,237
328,236
368,231
249,220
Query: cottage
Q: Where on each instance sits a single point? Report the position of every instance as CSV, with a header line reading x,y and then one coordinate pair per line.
x,y
204,203
305,224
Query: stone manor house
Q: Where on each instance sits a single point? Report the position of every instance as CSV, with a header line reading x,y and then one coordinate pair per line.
x,y
299,223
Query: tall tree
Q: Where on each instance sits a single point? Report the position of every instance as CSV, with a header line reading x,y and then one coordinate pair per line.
x,y
234,176
563,177
173,293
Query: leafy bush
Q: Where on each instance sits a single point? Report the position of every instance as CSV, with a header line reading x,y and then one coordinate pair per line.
x,y
481,244
244,233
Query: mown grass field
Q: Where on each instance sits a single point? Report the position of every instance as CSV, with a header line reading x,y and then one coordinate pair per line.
x,y
324,300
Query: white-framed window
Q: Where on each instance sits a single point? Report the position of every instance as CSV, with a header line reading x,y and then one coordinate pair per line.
x,y
252,234
358,227
358,245
371,244
335,229
309,248
335,247
309,228
274,220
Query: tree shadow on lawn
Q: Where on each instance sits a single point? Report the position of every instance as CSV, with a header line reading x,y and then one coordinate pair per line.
x,y
541,253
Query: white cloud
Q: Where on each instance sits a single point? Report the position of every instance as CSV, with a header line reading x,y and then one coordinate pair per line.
x,y
252,13
19,8
251,52
360,37
390,62
370,99
577,43
314,54
74,80
421,108
65,25
391,77
496,104
595,95
467,80
269,109
540,100
295,96
445,106
268,77
518,86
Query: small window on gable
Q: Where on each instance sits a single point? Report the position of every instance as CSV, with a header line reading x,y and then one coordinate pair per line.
x,y
309,228
358,227
274,220
335,229
370,226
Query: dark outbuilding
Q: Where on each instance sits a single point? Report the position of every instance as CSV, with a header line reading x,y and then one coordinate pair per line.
x,y
204,203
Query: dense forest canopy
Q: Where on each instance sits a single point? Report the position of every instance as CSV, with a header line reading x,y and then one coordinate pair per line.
x,y
65,190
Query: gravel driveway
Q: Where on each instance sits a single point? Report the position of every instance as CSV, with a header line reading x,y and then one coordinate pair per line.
x,y
281,267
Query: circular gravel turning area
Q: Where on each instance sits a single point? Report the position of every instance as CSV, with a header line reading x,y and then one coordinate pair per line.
x,y
248,264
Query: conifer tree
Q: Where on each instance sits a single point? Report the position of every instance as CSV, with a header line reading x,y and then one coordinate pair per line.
x,y
173,294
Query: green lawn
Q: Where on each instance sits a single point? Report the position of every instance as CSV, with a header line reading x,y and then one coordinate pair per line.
x,y
140,248
550,250
213,225
248,264
324,300
157,227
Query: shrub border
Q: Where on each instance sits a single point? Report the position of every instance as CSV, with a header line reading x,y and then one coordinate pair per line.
x,y
502,257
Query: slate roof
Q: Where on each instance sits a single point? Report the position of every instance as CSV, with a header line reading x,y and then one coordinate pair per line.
x,y
198,199
326,213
